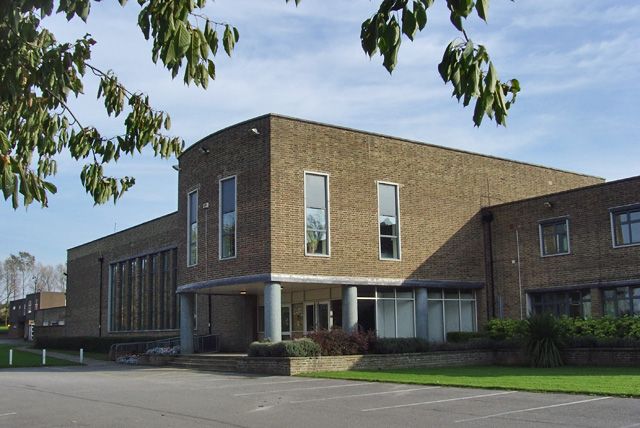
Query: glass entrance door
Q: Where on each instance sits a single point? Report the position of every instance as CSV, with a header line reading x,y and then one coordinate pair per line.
x,y
324,319
317,316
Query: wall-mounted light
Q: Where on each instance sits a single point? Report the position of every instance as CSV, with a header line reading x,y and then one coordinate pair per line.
x,y
176,167
547,204
254,131
204,150
243,292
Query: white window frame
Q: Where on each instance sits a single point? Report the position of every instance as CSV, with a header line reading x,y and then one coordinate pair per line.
x,y
190,262
328,201
397,186
617,210
554,221
220,217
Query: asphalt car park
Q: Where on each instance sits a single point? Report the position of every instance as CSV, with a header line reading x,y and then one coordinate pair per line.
x,y
110,395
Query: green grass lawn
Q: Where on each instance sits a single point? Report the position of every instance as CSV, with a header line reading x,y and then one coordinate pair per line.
x,y
27,359
622,381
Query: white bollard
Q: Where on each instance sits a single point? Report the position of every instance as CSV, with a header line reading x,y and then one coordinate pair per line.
x,y
10,357
44,357
81,355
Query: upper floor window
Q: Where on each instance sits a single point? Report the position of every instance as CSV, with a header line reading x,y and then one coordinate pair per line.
x,y
228,218
316,201
389,221
625,225
554,237
192,228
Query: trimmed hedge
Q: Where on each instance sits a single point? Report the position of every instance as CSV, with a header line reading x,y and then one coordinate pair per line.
x,y
286,348
89,344
464,336
398,346
339,342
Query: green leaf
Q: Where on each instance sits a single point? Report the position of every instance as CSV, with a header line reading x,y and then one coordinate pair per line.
x,y
421,14
228,40
409,24
183,40
482,7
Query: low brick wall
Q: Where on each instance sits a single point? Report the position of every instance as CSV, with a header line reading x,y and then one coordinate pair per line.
x,y
391,361
298,365
624,357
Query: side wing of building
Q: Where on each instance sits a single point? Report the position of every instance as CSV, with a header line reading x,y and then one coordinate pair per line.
x,y
124,282
572,253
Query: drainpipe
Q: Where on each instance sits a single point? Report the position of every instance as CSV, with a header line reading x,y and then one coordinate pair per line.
x,y
101,260
519,273
487,218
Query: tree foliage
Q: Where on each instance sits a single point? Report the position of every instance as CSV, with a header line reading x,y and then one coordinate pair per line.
x,y
40,74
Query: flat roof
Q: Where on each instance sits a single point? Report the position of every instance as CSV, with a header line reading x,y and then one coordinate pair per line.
x,y
374,134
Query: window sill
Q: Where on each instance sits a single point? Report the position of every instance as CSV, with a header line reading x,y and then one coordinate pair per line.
x,y
635,244
544,256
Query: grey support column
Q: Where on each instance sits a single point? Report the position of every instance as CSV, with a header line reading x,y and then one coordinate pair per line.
x,y
186,323
349,308
421,314
273,312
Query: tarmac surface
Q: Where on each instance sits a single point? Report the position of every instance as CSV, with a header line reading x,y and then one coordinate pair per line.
x,y
111,395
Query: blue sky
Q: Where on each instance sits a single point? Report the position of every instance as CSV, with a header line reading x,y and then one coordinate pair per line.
x,y
577,62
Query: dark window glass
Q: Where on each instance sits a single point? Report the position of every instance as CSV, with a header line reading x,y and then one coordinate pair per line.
x,y
228,214
626,226
554,237
367,315
388,221
192,233
574,303
316,214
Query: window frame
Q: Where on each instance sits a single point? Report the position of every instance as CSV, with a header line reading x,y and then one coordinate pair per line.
x,y
221,218
620,210
191,263
327,177
397,186
629,299
554,221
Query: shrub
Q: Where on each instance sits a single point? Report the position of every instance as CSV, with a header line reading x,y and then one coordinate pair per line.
x,y
286,348
506,329
464,336
543,341
339,342
399,345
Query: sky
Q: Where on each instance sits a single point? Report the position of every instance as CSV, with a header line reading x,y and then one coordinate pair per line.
x,y
578,64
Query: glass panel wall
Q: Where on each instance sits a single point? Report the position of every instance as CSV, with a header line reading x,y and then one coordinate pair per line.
x,y
228,218
450,310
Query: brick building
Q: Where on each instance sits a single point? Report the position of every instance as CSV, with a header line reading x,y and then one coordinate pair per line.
x,y
286,226
23,312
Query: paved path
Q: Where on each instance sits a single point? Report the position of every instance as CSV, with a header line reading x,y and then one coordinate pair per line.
x,y
123,396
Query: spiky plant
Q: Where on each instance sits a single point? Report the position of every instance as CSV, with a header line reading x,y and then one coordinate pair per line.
x,y
543,342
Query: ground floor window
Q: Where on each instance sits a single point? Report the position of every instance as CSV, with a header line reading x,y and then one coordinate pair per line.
x,y
450,310
388,311
142,293
573,303
622,301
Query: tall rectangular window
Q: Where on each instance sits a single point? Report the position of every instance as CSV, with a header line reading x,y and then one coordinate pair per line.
x,y
554,237
228,218
316,201
192,228
389,223
625,224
